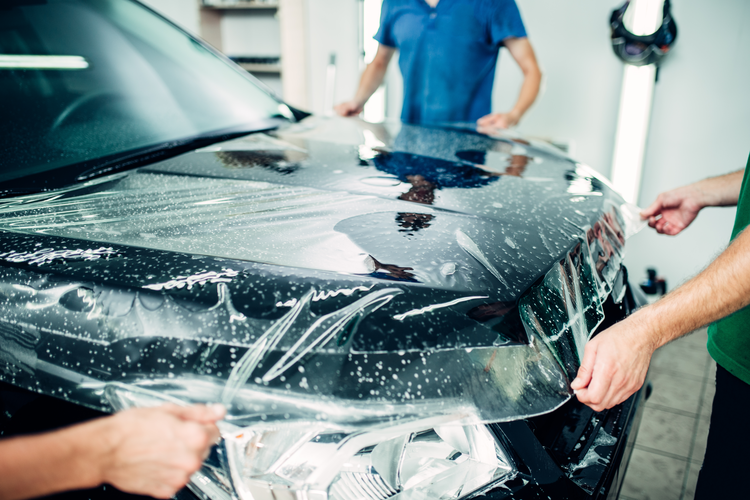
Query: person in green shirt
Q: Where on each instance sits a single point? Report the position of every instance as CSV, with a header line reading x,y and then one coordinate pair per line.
x,y
615,361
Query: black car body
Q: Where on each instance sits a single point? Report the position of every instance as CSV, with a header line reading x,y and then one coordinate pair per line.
x,y
387,311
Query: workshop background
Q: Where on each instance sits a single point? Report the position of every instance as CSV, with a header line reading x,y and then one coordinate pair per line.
x,y
310,52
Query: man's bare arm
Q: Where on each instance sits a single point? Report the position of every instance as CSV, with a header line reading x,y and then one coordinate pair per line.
x,y
615,362
523,53
674,210
372,78
150,451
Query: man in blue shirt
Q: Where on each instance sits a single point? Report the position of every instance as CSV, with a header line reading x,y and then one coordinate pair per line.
x,y
447,55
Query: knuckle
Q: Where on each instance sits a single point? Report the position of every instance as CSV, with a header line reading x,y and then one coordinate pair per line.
x,y
170,490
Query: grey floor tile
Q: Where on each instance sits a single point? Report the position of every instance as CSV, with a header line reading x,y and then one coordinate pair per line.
x,y
708,398
672,437
666,431
699,448
711,370
653,477
691,481
679,359
676,391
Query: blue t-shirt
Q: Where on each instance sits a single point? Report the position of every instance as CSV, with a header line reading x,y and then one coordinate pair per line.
x,y
448,54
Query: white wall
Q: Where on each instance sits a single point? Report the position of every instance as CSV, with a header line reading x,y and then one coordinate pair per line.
x,y
700,127
394,98
700,123
332,28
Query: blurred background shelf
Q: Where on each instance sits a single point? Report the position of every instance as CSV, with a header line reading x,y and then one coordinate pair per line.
x,y
250,33
241,6
286,44
261,68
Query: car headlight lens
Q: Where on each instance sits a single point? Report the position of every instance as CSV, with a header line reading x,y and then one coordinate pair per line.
x,y
431,457
415,460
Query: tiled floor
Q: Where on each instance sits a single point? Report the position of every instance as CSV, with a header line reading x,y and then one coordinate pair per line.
x,y
672,438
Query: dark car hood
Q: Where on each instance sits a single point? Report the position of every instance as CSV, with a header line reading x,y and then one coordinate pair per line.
x,y
274,265
315,204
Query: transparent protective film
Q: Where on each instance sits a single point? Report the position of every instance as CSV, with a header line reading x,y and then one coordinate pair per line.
x,y
339,302
416,450
354,298
303,364
565,309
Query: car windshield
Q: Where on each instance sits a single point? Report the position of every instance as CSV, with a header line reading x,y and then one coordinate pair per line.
x,y
85,80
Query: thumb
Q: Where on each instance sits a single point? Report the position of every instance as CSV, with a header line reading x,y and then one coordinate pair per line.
x,y
652,209
586,370
203,414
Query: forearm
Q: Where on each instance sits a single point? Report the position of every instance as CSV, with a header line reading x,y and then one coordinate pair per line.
x,y
372,78
720,191
523,53
615,362
32,466
529,91
721,289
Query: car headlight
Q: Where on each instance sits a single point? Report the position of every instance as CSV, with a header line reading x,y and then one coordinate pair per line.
x,y
422,459
433,457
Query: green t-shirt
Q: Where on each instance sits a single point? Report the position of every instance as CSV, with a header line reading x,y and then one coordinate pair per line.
x,y
729,338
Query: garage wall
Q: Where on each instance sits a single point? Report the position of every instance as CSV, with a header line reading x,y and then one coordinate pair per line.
x,y
333,27
700,127
700,123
